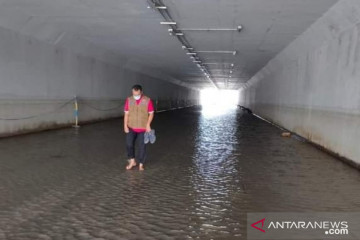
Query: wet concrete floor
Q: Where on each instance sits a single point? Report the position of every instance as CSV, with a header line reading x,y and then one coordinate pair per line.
x,y
204,173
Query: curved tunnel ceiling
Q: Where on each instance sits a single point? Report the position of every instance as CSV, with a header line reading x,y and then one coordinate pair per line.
x,y
133,30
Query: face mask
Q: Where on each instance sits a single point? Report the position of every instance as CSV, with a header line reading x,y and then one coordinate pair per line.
x,y
137,97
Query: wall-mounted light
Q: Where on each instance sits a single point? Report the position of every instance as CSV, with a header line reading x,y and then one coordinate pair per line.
x,y
191,53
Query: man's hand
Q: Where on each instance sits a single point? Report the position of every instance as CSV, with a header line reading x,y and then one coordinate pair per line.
x,y
148,128
126,129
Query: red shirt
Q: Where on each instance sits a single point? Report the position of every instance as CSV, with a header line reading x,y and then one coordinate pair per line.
x,y
150,110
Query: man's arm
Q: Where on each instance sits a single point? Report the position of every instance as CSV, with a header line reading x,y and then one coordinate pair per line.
x,y
150,118
126,119
126,116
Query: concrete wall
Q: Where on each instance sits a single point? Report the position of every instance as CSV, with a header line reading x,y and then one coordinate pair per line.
x,y
313,86
38,81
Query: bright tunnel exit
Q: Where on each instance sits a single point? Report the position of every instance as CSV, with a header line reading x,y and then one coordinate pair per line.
x,y
215,102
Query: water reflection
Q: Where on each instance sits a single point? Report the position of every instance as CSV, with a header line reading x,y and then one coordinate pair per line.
x,y
214,174
204,174
215,110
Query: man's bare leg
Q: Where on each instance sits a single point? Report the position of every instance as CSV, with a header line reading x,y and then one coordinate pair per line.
x,y
132,163
141,167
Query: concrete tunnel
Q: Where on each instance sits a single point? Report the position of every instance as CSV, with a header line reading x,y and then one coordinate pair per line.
x,y
256,114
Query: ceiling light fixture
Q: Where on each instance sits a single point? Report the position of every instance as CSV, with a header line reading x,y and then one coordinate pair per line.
x,y
161,7
238,28
187,48
168,23
180,36
221,52
214,63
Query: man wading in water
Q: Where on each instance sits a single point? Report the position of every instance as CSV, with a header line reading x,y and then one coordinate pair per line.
x,y
139,113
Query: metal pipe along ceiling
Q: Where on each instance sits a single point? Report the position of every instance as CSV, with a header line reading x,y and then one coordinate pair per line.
x,y
160,7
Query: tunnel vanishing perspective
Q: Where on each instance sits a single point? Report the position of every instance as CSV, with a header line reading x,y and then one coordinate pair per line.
x,y
175,119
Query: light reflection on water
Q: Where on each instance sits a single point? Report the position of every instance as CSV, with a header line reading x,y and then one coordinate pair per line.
x,y
214,174
215,110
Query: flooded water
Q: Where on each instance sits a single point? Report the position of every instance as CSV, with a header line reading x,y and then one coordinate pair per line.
x,y
204,173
